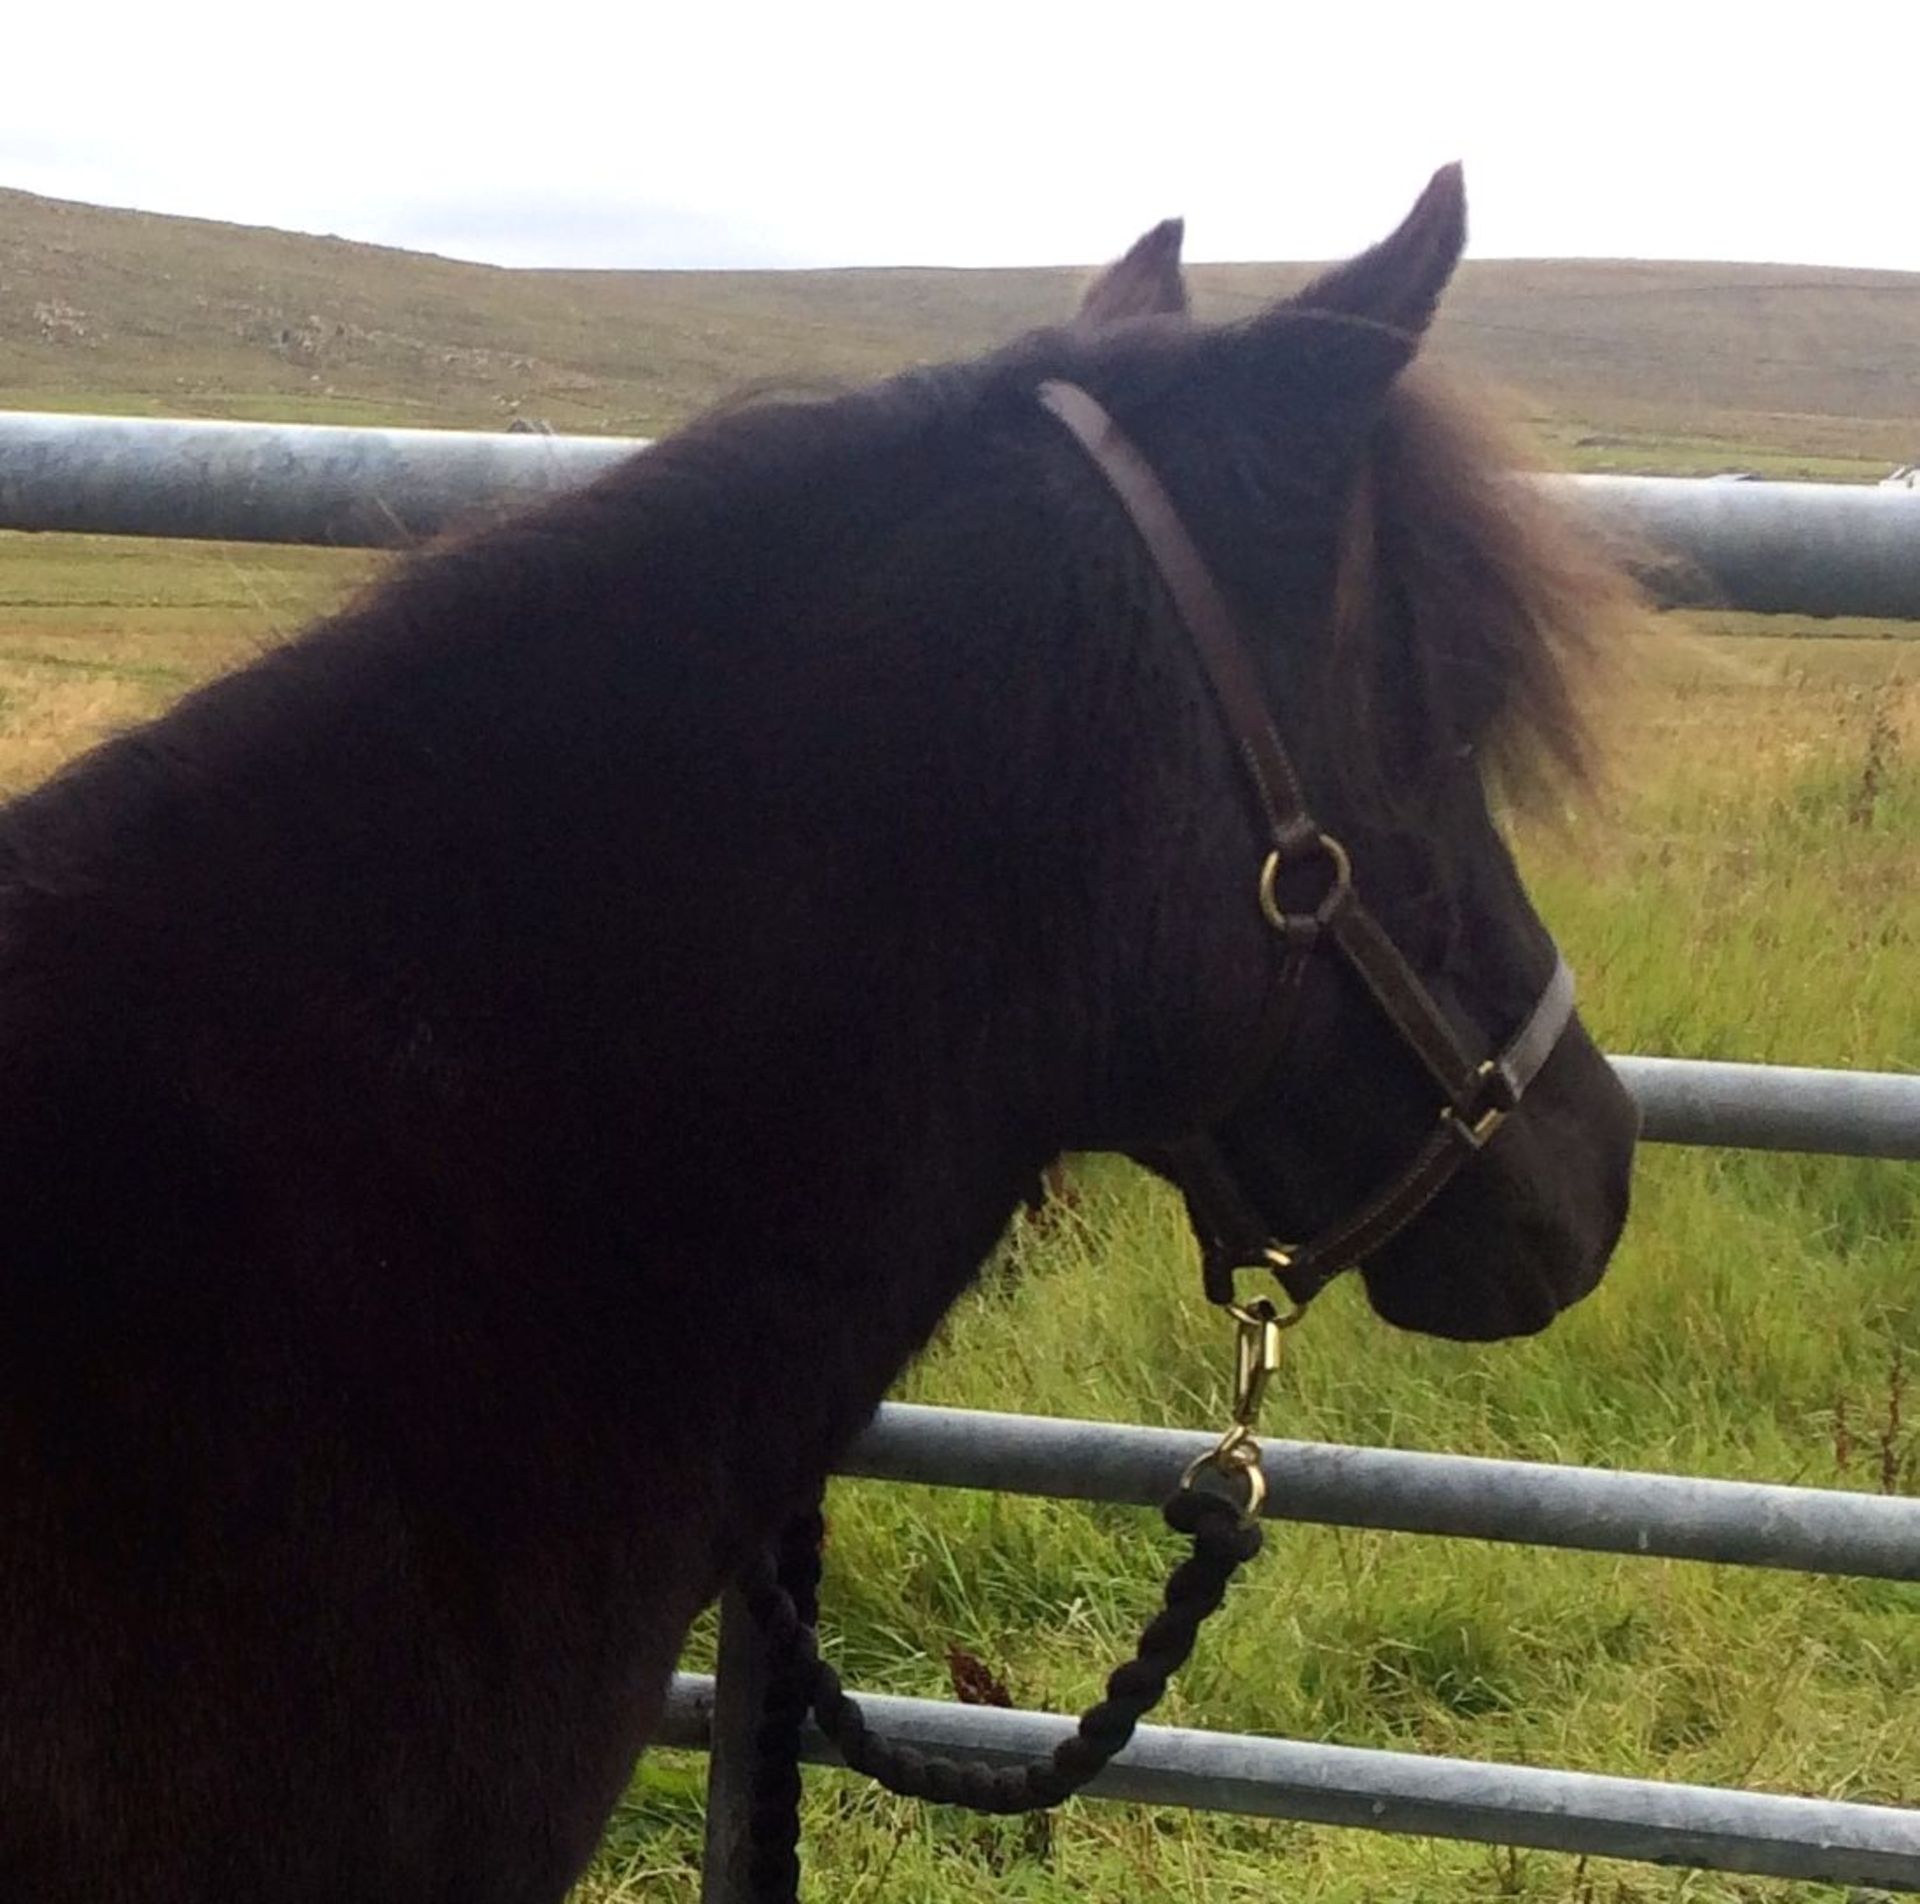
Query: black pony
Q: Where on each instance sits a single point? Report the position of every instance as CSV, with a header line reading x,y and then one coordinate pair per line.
x,y
492,1094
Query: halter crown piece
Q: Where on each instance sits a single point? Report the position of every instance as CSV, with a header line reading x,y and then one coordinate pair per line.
x,y
1478,1094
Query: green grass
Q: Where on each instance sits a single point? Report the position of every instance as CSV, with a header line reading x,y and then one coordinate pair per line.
x,y
1750,889
1699,1357
98,633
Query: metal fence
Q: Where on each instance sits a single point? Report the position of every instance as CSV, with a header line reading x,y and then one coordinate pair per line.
x,y
1807,548
1807,1530
1767,547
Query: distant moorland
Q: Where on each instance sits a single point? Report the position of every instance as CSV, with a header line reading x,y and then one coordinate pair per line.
x,y
1694,367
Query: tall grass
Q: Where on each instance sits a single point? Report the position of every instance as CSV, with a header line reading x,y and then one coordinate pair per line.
x,y
1751,889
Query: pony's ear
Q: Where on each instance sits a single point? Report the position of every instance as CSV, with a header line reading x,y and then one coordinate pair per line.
x,y
1398,283
1325,359
1145,283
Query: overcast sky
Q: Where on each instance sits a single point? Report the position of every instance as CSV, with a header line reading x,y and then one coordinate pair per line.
x,y
832,133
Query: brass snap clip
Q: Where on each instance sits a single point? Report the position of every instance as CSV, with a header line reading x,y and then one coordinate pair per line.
x,y
1258,1328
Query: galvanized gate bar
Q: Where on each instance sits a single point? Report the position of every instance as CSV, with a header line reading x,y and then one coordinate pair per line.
x,y
1775,1107
1816,1839
1769,548
1680,1517
1803,548
276,482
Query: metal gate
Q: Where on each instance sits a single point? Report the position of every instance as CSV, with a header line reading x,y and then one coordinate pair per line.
x,y
1768,547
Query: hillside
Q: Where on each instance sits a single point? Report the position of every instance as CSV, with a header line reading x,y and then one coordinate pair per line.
x,y
1624,366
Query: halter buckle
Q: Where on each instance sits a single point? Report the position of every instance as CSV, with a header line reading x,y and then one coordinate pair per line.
x,y
1475,1132
1483,1127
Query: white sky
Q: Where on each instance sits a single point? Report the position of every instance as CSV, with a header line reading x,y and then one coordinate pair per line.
x,y
572,132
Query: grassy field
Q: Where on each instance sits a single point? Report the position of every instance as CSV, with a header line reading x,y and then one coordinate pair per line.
x,y
1749,888
1753,891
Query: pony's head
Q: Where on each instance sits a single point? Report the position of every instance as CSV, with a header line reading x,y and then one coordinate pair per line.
x,y
1420,619
929,694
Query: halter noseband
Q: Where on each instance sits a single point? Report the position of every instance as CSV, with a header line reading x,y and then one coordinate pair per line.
x,y
1479,1093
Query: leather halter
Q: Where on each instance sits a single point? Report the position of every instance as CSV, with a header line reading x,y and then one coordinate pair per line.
x,y
1479,1094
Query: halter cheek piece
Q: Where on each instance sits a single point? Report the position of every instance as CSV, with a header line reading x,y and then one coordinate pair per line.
x,y
1478,1094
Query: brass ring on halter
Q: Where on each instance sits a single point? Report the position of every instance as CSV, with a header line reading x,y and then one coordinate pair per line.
x,y
1336,857
1278,1258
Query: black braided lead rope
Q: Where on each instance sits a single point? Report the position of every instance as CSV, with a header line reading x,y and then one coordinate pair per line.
x,y
773,1817
799,1677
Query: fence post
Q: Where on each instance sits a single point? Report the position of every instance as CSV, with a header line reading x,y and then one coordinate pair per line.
x,y
740,1677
